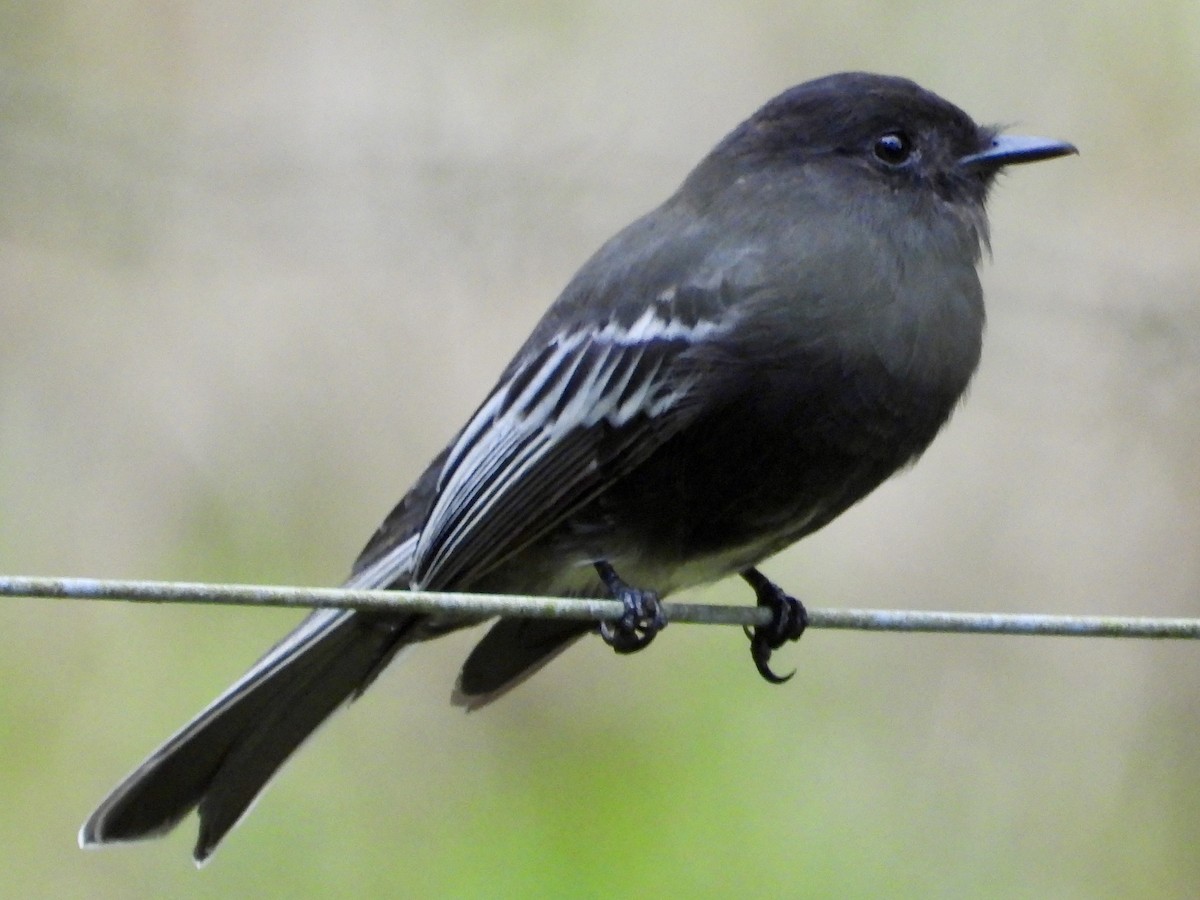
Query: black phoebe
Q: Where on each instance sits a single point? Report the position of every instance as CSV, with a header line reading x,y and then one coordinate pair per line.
x,y
725,376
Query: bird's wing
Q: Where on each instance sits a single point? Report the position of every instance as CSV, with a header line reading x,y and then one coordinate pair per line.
x,y
574,411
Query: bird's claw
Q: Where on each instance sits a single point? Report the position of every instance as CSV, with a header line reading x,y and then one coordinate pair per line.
x,y
788,621
642,620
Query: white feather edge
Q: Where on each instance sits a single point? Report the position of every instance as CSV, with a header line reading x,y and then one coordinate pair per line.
x,y
470,484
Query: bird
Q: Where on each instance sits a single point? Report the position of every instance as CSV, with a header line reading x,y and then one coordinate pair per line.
x,y
723,377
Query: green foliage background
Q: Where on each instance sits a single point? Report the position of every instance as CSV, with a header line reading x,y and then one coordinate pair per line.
x,y
258,262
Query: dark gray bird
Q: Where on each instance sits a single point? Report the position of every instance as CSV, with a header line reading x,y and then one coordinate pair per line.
x,y
725,376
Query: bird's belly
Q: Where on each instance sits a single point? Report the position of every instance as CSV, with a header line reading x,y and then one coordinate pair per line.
x,y
718,498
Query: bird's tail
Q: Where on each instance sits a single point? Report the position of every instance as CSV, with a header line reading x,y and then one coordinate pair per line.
x,y
224,757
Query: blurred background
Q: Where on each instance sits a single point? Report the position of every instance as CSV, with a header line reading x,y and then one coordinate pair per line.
x,y
259,261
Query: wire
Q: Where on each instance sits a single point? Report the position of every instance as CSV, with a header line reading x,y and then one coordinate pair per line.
x,y
484,605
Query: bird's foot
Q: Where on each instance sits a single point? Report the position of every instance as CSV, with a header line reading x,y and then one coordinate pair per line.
x,y
788,621
643,618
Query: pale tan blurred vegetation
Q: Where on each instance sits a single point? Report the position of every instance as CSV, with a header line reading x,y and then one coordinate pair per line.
x,y
257,262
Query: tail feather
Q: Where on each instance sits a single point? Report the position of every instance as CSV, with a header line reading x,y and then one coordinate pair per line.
x,y
511,651
226,755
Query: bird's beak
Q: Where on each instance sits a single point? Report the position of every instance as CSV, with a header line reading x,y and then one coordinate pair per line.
x,y
1006,149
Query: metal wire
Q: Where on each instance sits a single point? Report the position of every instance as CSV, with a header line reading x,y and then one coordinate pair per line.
x,y
482,605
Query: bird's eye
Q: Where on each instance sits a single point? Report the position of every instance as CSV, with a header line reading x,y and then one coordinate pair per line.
x,y
893,148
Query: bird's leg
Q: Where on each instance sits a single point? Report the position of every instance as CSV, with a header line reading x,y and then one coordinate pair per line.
x,y
789,619
643,617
